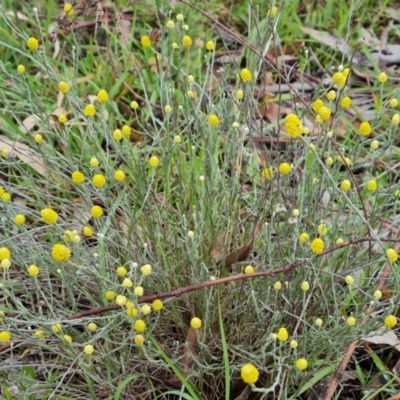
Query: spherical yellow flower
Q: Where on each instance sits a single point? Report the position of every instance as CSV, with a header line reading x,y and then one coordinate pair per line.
x,y
96,211
195,323
294,344
6,196
62,119
346,102
382,77
89,110
119,175
49,216
293,125
378,294
345,185
33,270
374,145
365,129
190,94
154,161
351,321
318,322
87,231
305,286
121,271
131,311
390,321
32,43
239,94
19,219
5,253
117,134
267,173
168,109
69,9
304,237
277,285
317,246
393,102
120,300
210,45
249,269
157,305
324,113
245,75
139,325
249,374
5,263
102,96
146,269
146,41
322,229
21,68
94,162
110,295
372,185
99,180
339,241
285,168
126,130
138,291
301,364
134,105
68,338
170,24
349,279
38,138
391,255
5,336
283,334
63,87
57,328
127,283
187,41
396,119
317,105
213,120
60,253
145,309
40,334
139,340
78,177
88,349
331,95
339,79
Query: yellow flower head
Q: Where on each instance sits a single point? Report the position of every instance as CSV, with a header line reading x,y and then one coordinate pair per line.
x,y
139,325
154,161
5,253
317,246
146,41
210,45
382,78
99,180
301,364
102,96
32,43
187,41
365,129
61,253
267,173
345,185
157,305
245,75
213,120
249,374
96,211
49,216
89,111
195,323
390,321
293,125
285,168
392,255
63,87
77,177
283,334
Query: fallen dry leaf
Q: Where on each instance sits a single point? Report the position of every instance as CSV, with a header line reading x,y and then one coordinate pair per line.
x,y
25,154
190,351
